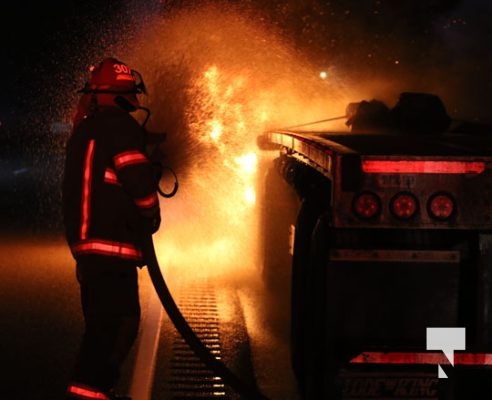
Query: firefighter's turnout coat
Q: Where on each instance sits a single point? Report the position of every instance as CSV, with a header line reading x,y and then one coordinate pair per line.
x,y
109,187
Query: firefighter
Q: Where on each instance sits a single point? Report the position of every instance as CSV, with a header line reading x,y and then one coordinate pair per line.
x,y
110,202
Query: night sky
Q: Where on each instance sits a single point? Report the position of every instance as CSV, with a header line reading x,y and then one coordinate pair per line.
x,y
38,37
41,39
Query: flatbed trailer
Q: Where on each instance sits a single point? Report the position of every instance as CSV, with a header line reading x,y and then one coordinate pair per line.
x,y
387,234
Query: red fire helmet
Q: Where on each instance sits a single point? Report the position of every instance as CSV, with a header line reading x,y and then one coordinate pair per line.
x,y
113,76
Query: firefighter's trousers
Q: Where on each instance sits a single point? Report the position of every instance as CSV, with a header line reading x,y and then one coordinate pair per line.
x,y
111,309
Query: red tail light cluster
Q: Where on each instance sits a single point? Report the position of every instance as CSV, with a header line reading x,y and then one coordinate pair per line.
x,y
367,205
404,205
441,206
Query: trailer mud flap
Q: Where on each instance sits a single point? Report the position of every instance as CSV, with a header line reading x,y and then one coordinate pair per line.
x,y
391,303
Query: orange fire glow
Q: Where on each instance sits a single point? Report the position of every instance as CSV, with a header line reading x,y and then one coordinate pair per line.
x,y
221,190
228,79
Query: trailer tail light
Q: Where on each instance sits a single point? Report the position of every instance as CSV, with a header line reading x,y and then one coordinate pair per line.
x,y
441,206
404,205
422,167
366,205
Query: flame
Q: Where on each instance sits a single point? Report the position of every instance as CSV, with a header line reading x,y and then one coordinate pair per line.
x,y
247,164
216,130
221,198
226,126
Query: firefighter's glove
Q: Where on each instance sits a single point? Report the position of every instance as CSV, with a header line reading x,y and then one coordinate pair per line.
x,y
151,225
